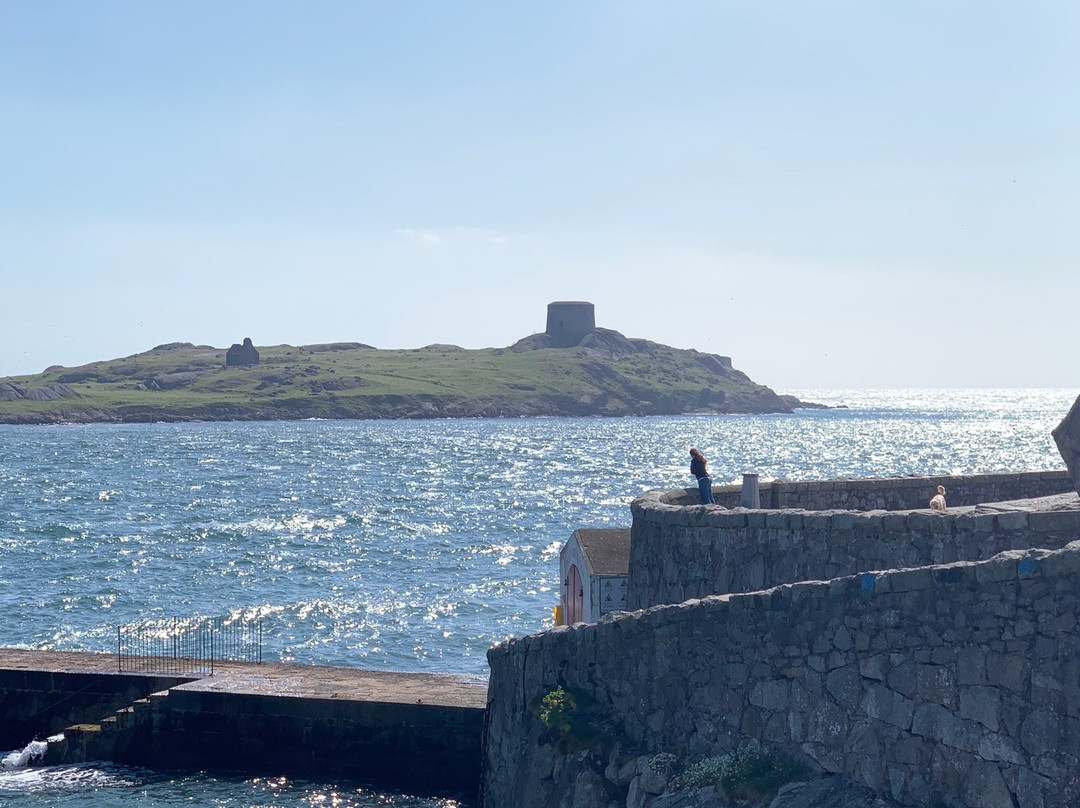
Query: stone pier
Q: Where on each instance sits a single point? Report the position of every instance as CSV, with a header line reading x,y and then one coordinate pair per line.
x,y
421,732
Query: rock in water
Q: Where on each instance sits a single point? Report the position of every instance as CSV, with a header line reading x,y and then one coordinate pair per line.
x,y
1067,436
242,354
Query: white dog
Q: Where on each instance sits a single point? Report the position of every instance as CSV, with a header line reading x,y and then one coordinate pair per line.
x,y
937,502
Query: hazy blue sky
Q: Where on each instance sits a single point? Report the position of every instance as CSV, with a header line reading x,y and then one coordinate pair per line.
x,y
833,193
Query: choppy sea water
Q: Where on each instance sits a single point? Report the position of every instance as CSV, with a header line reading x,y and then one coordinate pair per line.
x,y
402,545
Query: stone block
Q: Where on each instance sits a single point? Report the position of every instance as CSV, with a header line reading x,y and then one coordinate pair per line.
x,y
942,524
653,781
1064,562
911,751
862,641
697,515
770,695
902,678
888,706
842,520
912,579
936,683
1067,437
622,775
828,726
1002,567
941,655
731,520
869,770
1012,520
895,523
869,524
590,791
636,796
776,520
843,640
952,574
1008,671
1051,766
979,703
999,748
844,686
986,788
1040,732
1054,522
948,768
919,522
897,782
875,667
919,789
1030,789
715,517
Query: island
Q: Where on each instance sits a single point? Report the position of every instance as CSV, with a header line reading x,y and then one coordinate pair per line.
x,y
572,368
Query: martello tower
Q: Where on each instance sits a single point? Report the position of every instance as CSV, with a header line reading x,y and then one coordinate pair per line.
x,y
568,321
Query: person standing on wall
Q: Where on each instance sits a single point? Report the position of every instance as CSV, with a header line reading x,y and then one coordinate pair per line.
x,y
704,481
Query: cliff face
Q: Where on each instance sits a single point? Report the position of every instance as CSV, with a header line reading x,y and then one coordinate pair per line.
x,y
606,374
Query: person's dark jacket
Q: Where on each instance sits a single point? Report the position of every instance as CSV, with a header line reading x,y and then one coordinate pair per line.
x,y
697,467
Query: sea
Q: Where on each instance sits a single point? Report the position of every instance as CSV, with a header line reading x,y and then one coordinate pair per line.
x,y
394,545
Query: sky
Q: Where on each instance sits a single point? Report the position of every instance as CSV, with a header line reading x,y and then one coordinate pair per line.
x,y
835,194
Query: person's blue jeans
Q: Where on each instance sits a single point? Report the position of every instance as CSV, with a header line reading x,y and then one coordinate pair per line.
x,y
704,485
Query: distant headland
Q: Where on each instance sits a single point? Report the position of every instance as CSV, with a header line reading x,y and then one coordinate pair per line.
x,y
572,368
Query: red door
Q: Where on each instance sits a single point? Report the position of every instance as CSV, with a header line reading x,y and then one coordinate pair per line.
x,y
575,597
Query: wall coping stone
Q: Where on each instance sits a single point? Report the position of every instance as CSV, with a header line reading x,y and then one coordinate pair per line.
x,y
656,504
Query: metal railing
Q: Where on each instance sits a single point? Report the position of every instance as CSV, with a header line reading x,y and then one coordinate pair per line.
x,y
187,647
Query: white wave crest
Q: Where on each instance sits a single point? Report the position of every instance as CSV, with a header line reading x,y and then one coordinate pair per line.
x,y
22,757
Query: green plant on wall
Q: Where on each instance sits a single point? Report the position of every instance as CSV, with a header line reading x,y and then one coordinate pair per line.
x,y
556,709
573,720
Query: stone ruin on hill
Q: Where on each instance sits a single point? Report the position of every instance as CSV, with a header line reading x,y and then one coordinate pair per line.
x,y
242,354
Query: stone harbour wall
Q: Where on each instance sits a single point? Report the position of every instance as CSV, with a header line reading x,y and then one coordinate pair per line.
x,y
38,703
682,551
889,493
957,682
422,747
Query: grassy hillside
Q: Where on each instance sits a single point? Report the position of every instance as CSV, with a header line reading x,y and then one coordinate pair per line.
x,y
606,375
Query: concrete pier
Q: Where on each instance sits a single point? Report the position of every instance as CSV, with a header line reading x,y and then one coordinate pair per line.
x,y
420,732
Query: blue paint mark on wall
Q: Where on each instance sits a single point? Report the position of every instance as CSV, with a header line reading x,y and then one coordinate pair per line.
x,y
869,580
1027,566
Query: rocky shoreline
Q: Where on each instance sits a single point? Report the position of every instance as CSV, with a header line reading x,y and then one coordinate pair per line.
x,y
381,408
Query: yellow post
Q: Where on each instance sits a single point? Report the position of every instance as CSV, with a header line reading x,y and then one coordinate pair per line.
x,y
558,616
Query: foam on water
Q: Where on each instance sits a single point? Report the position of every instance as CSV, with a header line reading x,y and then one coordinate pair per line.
x,y
111,786
83,779
20,758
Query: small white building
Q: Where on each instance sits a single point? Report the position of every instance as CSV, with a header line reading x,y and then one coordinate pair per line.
x,y
594,567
